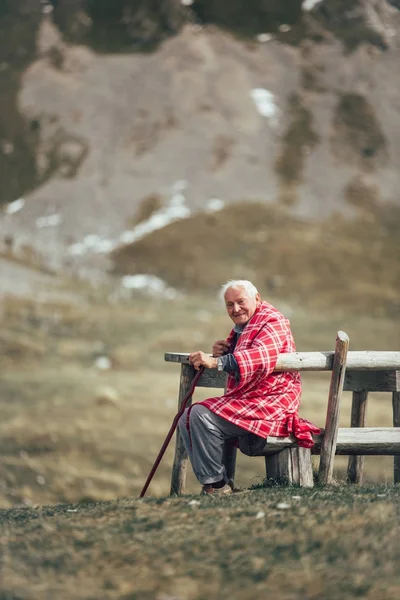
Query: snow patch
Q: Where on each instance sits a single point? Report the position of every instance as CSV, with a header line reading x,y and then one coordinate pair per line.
x,y
264,37
309,4
265,103
150,284
97,244
15,206
214,205
49,221
77,249
174,211
47,8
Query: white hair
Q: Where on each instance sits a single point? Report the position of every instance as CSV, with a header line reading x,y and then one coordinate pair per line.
x,y
236,284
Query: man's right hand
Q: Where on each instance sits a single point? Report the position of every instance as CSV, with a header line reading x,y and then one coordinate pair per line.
x,y
220,348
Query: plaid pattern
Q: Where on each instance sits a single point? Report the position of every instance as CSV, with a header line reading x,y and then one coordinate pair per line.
x,y
263,402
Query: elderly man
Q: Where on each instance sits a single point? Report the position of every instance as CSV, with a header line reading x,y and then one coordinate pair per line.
x,y
257,399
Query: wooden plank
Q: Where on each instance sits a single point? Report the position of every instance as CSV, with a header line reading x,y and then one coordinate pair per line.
x,y
357,440
396,423
367,440
322,361
373,381
358,419
212,378
328,446
179,467
354,381
274,445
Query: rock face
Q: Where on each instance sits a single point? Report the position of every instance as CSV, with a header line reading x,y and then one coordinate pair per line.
x,y
304,114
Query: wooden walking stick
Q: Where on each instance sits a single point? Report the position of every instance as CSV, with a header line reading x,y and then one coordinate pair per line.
x,y
171,431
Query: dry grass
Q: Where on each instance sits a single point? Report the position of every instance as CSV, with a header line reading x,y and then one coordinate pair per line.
x,y
71,431
284,543
352,265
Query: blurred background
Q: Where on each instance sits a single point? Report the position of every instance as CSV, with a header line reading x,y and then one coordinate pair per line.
x,y
149,151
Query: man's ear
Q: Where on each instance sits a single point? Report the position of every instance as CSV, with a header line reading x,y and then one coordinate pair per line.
x,y
258,297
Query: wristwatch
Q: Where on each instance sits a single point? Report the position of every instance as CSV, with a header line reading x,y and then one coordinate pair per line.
x,y
220,364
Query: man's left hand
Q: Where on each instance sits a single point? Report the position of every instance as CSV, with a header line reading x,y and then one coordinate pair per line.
x,y
200,359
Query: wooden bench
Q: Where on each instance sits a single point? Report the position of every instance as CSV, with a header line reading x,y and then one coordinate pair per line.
x,y
359,372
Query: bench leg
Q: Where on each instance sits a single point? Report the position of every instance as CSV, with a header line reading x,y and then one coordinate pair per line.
x,y
279,467
358,419
328,447
179,467
301,459
229,461
396,423
290,466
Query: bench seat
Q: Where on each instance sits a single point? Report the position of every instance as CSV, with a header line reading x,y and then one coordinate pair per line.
x,y
350,441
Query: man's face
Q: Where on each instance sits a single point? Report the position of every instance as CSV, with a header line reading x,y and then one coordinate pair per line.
x,y
239,306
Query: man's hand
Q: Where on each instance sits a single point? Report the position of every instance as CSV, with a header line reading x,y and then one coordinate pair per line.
x,y
220,348
200,359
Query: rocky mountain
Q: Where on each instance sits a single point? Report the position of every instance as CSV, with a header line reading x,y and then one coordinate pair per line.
x,y
120,117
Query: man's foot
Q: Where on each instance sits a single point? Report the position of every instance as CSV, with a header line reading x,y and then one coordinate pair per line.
x,y
209,490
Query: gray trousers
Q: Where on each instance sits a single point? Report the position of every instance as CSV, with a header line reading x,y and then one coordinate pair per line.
x,y
208,433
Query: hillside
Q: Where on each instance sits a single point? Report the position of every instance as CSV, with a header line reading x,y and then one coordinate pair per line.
x,y
207,102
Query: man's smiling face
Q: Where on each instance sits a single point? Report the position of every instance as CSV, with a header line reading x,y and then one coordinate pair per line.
x,y
240,306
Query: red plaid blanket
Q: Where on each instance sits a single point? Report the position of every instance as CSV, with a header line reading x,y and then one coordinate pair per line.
x,y
264,402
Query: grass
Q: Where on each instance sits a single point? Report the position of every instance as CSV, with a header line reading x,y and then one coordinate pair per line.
x,y
287,543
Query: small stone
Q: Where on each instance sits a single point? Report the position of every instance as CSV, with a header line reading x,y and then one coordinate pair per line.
x,y
40,480
194,503
284,28
260,514
107,396
282,506
103,363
